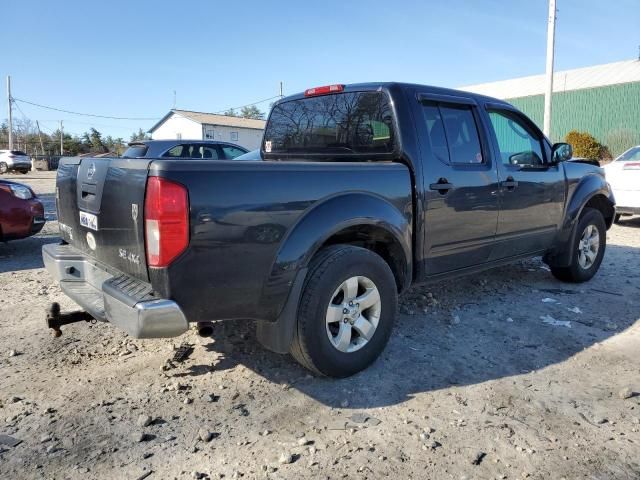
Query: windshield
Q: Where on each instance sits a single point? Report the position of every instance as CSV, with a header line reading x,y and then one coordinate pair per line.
x,y
253,155
346,123
633,154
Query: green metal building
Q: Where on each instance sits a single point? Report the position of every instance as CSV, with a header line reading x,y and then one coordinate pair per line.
x,y
603,100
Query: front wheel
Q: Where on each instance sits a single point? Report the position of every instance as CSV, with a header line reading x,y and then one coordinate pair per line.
x,y
588,251
346,313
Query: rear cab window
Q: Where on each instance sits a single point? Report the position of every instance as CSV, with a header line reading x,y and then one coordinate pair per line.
x,y
333,125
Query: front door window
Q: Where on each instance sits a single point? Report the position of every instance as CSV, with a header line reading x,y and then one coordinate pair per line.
x,y
519,145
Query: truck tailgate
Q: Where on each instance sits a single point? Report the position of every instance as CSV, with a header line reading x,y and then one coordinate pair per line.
x,y
100,205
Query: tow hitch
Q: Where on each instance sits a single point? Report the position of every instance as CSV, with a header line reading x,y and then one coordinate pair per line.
x,y
55,319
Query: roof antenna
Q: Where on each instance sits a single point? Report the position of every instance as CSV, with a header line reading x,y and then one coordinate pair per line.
x,y
174,100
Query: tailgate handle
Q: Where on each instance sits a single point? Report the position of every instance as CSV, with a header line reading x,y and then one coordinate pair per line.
x,y
88,190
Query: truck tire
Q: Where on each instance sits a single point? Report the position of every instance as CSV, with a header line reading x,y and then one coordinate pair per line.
x,y
346,312
590,244
3,168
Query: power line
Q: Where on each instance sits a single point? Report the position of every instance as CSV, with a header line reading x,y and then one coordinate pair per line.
x,y
91,124
21,112
127,118
247,105
83,114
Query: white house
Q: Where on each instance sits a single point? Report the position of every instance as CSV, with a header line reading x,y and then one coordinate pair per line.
x,y
188,125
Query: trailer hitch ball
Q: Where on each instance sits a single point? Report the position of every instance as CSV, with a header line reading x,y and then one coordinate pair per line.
x,y
53,312
55,319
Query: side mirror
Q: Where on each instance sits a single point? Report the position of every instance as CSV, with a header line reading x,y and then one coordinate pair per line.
x,y
561,152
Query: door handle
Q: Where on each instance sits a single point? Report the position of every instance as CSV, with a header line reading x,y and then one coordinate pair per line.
x,y
443,186
510,184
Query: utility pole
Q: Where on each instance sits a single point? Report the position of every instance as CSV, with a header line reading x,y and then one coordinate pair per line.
x,y
40,137
9,100
551,35
61,140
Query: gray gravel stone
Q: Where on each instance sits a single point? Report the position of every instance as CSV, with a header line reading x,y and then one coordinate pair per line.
x,y
285,458
144,421
625,393
205,435
138,436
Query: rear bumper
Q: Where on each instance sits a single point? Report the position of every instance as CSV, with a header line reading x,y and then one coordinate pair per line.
x,y
110,296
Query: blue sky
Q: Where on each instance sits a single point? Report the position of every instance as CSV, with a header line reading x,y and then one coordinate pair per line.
x,y
125,58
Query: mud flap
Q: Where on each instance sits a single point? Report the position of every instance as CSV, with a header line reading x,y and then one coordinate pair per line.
x,y
277,336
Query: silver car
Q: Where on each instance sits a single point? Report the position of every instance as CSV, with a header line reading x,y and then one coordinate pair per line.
x,y
14,160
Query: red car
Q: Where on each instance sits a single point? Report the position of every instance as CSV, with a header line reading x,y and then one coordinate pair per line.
x,y
21,213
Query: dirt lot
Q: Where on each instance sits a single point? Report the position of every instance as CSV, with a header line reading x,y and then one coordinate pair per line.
x,y
509,374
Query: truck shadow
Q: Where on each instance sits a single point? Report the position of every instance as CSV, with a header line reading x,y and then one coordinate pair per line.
x,y
498,333
629,222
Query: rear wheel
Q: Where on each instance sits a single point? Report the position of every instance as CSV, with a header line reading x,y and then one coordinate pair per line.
x,y
346,313
590,244
3,168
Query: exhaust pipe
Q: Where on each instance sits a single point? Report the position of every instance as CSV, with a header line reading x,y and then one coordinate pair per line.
x,y
205,329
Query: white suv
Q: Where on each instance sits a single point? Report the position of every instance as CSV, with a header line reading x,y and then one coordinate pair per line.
x,y
14,160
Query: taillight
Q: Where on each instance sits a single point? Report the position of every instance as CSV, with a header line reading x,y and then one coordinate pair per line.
x,y
632,166
312,92
166,221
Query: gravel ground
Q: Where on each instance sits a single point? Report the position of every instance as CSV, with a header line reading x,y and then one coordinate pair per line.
x,y
507,374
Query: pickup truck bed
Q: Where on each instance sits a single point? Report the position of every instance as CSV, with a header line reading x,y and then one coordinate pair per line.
x,y
362,191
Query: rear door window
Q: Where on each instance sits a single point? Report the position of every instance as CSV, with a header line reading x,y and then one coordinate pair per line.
x,y
211,152
462,134
196,151
336,124
180,151
453,134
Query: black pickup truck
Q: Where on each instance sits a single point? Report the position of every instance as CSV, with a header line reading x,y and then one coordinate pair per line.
x,y
362,190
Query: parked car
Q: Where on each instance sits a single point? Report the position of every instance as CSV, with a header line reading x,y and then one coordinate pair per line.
x,y
623,174
187,149
14,161
21,213
364,190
